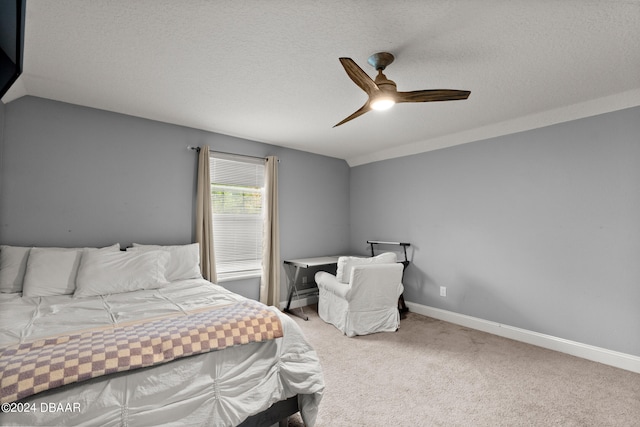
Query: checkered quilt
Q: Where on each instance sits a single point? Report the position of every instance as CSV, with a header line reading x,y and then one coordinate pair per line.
x,y
31,367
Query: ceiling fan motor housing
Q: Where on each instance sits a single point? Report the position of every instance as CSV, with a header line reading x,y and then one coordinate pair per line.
x,y
384,83
380,61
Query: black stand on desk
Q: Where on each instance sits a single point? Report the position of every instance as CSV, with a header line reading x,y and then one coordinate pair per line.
x,y
402,307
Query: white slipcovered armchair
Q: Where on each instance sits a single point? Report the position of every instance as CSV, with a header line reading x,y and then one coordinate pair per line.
x,y
362,298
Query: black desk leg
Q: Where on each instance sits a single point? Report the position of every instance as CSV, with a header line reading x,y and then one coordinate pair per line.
x,y
402,307
293,279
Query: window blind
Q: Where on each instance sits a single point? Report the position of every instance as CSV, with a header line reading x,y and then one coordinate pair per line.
x,y
237,188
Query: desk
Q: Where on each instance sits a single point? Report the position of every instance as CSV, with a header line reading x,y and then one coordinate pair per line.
x,y
293,267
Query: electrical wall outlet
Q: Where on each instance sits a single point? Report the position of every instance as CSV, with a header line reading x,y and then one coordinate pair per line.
x,y
443,291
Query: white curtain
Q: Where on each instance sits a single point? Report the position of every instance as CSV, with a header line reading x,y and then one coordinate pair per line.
x,y
204,222
270,280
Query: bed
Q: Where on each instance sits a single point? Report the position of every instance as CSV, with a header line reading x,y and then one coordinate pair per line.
x,y
253,372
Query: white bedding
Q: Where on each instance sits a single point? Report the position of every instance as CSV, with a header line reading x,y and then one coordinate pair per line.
x,y
220,388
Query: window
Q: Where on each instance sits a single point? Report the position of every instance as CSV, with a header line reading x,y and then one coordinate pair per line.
x,y
237,188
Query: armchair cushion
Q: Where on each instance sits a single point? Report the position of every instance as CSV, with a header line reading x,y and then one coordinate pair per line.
x,y
346,264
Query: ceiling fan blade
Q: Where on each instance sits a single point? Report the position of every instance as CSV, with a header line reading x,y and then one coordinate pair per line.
x,y
366,107
432,95
358,76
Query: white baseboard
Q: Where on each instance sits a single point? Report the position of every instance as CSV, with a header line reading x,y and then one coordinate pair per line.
x,y
597,354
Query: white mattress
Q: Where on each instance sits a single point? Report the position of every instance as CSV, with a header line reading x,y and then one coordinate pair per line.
x,y
220,388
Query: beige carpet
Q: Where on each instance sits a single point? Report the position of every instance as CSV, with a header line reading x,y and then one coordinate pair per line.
x,y
434,373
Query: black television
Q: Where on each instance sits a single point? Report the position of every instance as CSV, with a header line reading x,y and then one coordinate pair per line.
x,y
11,42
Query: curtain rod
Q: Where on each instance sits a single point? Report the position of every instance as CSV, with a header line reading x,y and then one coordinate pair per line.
x,y
191,147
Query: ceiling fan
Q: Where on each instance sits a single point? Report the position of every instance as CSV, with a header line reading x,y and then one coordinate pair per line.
x,y
383,93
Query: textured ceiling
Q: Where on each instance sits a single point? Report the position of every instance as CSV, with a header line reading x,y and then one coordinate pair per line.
x,y
269,71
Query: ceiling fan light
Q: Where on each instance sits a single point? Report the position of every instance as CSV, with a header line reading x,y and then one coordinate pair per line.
x,y
382,104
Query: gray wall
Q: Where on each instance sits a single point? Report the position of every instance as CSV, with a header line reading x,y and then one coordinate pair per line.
x,y
76,176
538,230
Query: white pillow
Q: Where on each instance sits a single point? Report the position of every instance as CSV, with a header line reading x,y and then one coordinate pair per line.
x,y
346,264
184,261
103,273
50,271
13,264
53,271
